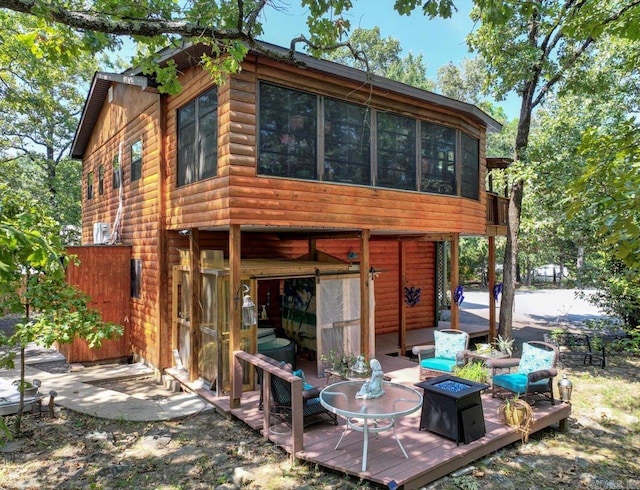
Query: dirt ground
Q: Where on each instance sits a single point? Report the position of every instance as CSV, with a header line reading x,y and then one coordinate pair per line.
x,y
601,449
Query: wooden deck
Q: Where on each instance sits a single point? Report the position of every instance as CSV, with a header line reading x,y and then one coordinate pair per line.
x,y
389,344
430,456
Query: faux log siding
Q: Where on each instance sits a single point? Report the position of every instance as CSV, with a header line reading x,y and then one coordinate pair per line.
x,y
140,218
248,199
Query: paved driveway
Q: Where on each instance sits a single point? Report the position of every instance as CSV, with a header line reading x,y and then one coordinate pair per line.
x,y
534,311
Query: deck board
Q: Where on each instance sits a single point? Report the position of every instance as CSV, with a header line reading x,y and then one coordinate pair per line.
x,y
430,456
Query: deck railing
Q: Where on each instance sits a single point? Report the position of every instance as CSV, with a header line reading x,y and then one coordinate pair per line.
x,y
268,370
497,209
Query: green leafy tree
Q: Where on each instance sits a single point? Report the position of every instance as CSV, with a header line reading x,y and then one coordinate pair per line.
x,y
32,283
533,48
41,97
383,57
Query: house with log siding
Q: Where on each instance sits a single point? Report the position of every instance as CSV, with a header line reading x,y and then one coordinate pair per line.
x,y
331,199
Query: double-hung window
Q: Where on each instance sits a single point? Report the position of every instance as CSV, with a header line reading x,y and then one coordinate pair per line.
x,y
198,139
117,172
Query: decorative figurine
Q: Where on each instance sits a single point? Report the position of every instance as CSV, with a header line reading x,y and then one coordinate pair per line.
x,y
358,366
372,388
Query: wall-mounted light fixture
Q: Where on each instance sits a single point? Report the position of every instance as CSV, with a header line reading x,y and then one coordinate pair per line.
x,y
249,312
185,232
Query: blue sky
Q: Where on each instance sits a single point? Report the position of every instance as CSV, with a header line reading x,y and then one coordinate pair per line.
x,y
439,40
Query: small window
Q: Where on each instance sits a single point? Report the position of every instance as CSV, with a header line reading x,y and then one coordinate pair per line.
x,y
117,172
136,278
198,139
470,167
90,185
396,151
136,160
101,179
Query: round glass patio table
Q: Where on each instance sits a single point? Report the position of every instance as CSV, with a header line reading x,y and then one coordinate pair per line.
x,y
374,415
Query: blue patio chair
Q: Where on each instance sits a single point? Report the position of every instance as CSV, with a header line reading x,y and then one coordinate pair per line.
x,y
448,352
536,369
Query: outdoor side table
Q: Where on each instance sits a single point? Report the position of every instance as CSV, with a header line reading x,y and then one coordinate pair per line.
x,y
485,356
374,415
452,408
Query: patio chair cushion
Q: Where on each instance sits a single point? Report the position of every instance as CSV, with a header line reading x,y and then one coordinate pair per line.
x,y
438,364
518,383
449,344
535,359
300,374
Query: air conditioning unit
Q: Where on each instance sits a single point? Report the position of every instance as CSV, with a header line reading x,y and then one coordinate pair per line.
x,y
101,232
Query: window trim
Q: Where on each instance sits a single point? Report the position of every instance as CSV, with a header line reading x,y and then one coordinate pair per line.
x,y
197,120
136,165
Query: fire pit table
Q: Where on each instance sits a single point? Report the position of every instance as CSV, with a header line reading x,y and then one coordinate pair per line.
x,y
452,408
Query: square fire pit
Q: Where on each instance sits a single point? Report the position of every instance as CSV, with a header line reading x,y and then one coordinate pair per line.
x,y
452,408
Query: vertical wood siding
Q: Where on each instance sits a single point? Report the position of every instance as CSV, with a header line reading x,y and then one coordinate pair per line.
x,y
103,273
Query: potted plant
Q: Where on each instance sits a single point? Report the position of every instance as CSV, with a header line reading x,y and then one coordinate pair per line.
x,y
473,371
504,345
517,413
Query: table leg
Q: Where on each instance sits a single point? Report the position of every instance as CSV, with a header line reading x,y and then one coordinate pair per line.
x,y
344,433
365,446
395,434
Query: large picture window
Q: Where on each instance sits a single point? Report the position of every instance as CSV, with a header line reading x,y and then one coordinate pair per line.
x,y
314,137
288,133
396,151
347,143
198,139
438,159
470,167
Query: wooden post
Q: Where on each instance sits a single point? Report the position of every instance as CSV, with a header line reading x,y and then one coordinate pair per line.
x,y
366,347
196,309
402,306
454,278
235,316
492,283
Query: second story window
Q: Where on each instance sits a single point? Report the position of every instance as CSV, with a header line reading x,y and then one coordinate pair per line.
x,y
136,160
288,133
347,143
117,172
198,139
90,185
470,167
101,179
438,159
396,151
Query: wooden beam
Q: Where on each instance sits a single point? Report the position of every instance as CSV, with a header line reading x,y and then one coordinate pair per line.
x,y
454,278
235,298
196,309
165,316
402,306
366,346
492,283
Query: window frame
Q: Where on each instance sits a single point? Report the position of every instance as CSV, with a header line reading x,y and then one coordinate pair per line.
x,y
90,185
190,172
136,159
101,180
117,171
